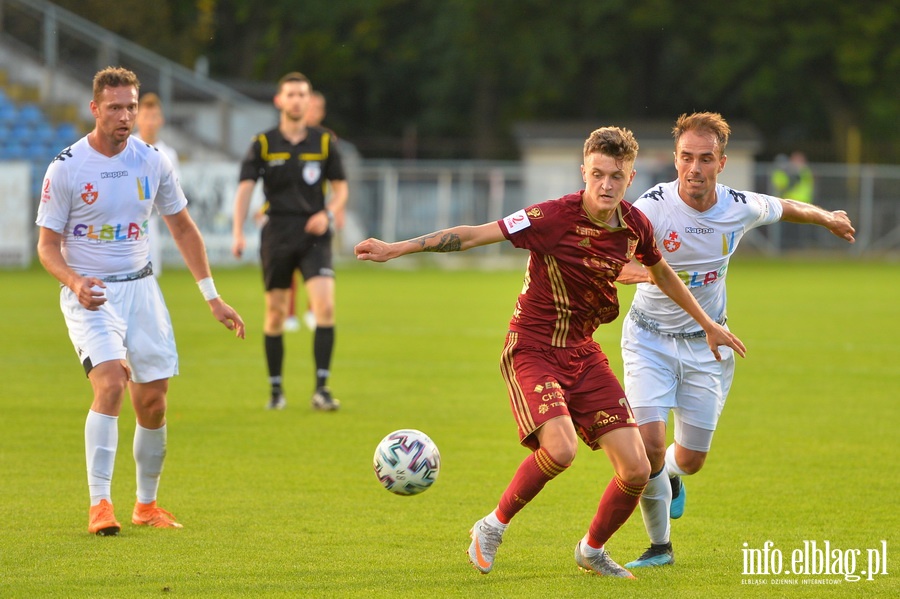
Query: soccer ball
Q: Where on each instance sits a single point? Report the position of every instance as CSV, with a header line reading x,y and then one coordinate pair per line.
x,y
407,462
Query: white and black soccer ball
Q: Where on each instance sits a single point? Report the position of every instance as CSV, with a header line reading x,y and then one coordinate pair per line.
x,y
407,462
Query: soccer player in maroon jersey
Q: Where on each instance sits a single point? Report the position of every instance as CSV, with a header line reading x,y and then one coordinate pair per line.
x,y
559,381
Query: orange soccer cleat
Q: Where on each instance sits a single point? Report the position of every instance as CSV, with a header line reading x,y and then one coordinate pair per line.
x,y
102,520
147,514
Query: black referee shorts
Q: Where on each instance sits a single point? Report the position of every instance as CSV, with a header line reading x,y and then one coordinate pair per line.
x,y
286,247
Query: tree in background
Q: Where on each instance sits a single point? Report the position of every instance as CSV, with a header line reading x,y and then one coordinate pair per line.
x,y
449,78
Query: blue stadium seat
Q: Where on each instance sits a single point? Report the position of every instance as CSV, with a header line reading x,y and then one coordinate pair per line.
x,y
31,114
45,133
21,132
8,114
66,134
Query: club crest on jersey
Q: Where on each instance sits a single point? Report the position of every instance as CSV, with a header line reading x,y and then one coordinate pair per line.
x,y
312,172
632,246
535,212
672,241
89,192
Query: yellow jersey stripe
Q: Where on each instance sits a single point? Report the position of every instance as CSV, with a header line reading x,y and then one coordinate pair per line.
x,y
323,153
264,150
516,395
560,302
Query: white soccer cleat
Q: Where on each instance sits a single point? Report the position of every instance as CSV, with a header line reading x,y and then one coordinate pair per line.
x,y
485,541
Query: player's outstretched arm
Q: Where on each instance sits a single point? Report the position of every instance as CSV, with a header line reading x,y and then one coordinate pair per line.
x,y
808,214
667,280
455,239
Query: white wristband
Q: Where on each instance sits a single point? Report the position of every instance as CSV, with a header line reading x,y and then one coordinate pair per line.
x,y
208,288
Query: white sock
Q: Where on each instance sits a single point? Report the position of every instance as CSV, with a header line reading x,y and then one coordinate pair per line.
x,y
671,464
149,455
101,438
655,502
587,550
492,520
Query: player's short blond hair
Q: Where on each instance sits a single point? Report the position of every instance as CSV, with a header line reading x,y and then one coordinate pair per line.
x,y
114,77
616,142
704,122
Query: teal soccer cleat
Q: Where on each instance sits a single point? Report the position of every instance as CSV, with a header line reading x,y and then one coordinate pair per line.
x,y
679,495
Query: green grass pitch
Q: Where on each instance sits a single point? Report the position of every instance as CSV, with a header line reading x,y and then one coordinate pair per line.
x,y
286,503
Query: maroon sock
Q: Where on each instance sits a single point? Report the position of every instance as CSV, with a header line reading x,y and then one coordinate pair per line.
x,y
616,505
534,472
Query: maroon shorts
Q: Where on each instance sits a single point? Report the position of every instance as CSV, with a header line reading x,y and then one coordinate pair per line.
x,y
547,382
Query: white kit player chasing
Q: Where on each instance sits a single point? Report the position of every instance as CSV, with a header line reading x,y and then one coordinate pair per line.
x,y
698,225
95,207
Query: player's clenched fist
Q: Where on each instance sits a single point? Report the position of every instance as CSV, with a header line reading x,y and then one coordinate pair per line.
x,y
373,249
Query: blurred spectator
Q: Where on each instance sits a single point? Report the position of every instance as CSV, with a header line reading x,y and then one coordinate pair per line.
x,y
792,178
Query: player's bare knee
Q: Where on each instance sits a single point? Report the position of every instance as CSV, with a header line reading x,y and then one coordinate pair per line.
x,y
151,414
109,384
563,453
693,464
635,472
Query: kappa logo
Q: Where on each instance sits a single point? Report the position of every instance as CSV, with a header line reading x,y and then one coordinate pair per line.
x,y
672,241
67,153
535,212
89,192
655,194
738,196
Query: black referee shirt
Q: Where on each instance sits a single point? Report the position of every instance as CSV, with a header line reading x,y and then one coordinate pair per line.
x,y
294,176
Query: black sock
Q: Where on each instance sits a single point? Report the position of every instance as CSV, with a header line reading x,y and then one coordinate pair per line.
x,y
323,347
676,486
274,358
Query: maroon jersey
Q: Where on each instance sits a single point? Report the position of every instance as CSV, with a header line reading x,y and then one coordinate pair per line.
x,y
569,287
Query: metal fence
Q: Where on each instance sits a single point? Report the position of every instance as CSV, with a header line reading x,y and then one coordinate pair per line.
x,y
869,193
396,200
399,200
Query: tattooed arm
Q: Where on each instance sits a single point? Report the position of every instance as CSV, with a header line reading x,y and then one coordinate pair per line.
x,y
455,239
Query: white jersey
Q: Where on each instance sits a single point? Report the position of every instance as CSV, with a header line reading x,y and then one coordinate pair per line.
x,y
170,153
101,205
698,246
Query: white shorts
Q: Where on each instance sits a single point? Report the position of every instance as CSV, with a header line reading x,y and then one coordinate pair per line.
x,y
133,325
665,373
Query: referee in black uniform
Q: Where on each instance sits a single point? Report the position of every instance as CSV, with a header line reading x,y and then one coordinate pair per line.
x,y
296,163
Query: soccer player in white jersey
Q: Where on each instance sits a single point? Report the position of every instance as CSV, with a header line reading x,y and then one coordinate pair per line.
x,y
95,206
698,224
